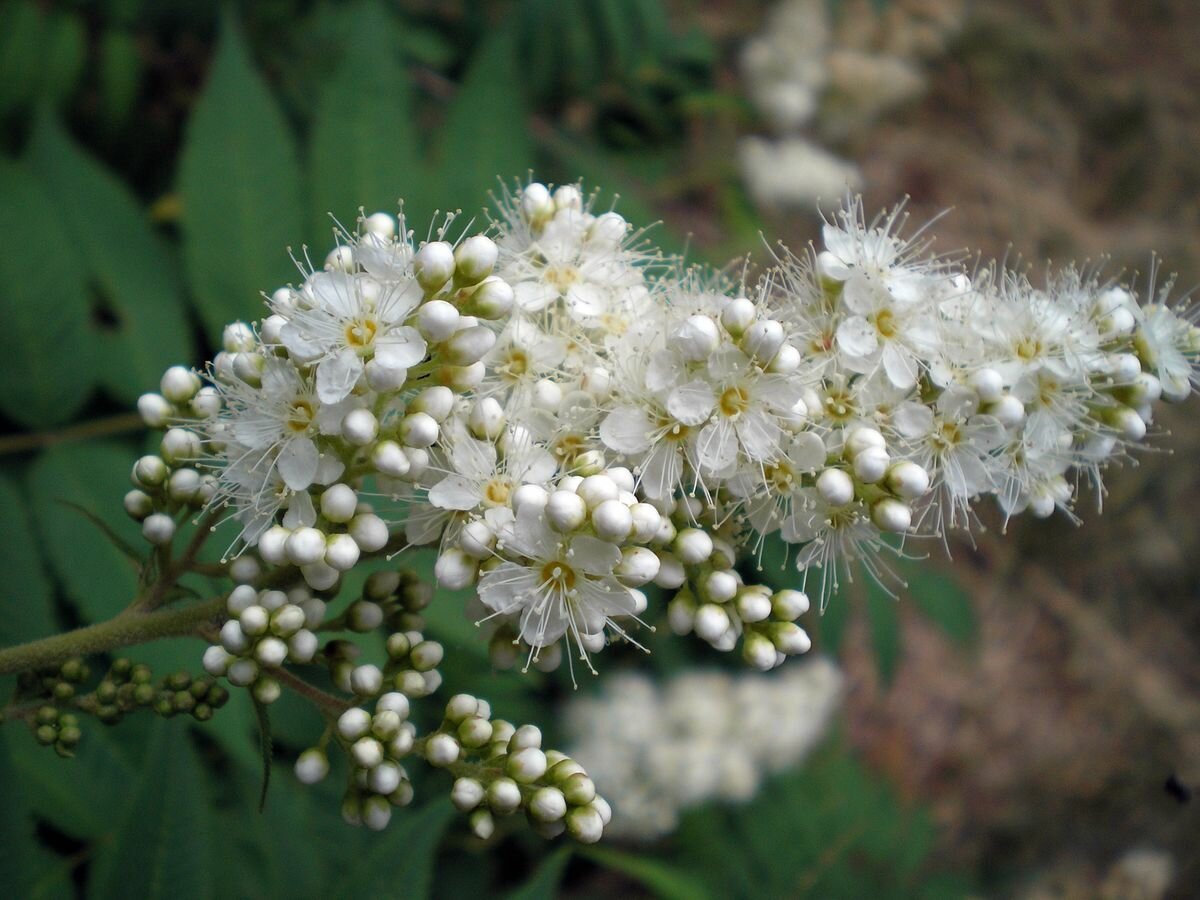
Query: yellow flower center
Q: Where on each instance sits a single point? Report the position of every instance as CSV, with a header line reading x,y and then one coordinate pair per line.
x,y
300,417
734,400
360,333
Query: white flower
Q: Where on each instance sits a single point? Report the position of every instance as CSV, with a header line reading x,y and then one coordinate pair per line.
x,y
562,585
345,321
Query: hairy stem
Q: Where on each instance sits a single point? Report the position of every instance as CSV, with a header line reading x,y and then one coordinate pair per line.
x,y
130,627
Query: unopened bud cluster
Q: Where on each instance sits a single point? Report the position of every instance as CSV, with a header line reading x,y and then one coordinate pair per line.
x,y
577,424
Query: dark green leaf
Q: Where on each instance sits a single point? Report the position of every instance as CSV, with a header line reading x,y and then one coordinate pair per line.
x,y
664,880
95,475
79,796
160,846
22,32
400,859
364,150
486,134
26,597
543,883
128,265
940,597
884,621
240,186
20,856
63,56
46,370
119,76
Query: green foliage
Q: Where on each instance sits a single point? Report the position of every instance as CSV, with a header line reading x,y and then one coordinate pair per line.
x,y
95,574
44,313
160,847
364,151
239,181
130,272
27,596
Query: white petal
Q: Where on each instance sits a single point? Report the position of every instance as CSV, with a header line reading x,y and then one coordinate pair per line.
x,y
400,348
533,296
337,375
900,366
454,492
593,556
587,301
759,434
661,470
716,446
856,337
913,420
626,430
298,463
507,587
807,452
691,403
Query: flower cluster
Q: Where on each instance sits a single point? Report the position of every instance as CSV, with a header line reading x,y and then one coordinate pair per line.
x,y
578,425
656,750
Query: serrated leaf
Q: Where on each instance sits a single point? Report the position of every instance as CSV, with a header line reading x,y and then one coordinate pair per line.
x,y
159,849
941,598
543,883
486,133
240,185
127,264
46,370
79,796
364,150
26,597
664,880
884,624
97,576
401,857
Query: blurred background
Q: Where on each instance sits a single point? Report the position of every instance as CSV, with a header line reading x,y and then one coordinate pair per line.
x,y
1024,722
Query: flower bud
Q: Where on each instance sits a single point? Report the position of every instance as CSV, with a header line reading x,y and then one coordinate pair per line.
x,y
753,605
891,515
434,264
486,418
787,605
696,339
158,529
360,427
466,794
305,546
1009,410
763,339
468,346
367,681
565,511
338,503
548,804
341,552
758,651
536,203
271,652
154,409
302,646
871,464
711,622
437,320
504,796
179,384
568,196
216,661
835,487
389,459
442,750
492,299
693,546
138,504
475,258
319,576
790,638
419,430
454,569
369,531
527,765
908,480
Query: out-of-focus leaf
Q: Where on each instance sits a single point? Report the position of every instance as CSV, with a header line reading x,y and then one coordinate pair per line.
x,y
120,75
128,265
234,729
884,621
364,150
46,369
401,858
160,846
240,184
943,600
96,575
486,133
26,596
63,56
22,31
21,859
79,796
543,883
666,881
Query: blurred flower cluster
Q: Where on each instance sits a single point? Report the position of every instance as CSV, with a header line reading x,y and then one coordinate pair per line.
x,y
657,750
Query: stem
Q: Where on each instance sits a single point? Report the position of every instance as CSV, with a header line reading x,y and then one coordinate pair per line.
x,y
326,703
118,424
130,627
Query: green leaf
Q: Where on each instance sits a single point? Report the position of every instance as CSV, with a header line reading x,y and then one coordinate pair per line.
x,y
119,77
543,883
63,56
46,370
95,475
240,185
22,31
486,133
79,796
364,150
26,597
884,621
160,846
400,859
664,880
128,265
20,855
940,597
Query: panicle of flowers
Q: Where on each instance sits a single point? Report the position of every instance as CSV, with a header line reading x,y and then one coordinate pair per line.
x,y
658,749
596,438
